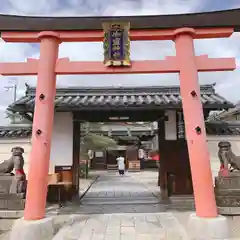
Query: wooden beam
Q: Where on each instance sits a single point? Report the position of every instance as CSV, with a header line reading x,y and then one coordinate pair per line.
x,y
135,35
170,65
19,69
65,67
206,64
134,115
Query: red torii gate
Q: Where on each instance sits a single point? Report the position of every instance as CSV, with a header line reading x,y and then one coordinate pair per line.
x,y
185,63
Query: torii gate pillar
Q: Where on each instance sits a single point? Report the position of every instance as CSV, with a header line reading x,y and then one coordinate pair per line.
x,y
42,127
194,125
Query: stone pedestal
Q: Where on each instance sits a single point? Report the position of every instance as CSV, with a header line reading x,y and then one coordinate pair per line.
x,y
207,228
227,191
9,199
37,230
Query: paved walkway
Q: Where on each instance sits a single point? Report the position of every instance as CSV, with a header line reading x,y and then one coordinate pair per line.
x,y
119,208
118,190
123,208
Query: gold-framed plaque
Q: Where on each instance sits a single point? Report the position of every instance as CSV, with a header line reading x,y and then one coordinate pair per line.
x,y
116,44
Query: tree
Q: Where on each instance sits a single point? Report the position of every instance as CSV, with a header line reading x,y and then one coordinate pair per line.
x,y
93,141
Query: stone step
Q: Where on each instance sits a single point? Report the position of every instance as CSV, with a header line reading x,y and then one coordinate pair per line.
x,y
119,202
181,198
12,204
112,167
9,196
181,203
120,198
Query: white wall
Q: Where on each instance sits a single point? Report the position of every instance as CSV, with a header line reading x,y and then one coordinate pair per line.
x,y
62,146
170,125
62,140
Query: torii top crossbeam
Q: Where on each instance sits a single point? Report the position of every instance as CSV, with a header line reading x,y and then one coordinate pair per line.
x,y
217,19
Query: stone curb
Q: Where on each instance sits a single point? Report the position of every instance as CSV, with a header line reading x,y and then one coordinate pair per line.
x,y
90,185
8,214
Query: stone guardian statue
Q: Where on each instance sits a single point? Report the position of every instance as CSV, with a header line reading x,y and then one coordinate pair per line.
x,y
230,162
15,162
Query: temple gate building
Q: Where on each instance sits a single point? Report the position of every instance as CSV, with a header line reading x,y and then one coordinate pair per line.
x,y
151,104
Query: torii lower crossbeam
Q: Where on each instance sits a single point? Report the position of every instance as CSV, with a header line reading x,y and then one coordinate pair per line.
x,y
169,65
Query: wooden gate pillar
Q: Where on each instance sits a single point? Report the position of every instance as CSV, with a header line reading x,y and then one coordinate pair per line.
x,y
194,125
76,155
42,127
162,180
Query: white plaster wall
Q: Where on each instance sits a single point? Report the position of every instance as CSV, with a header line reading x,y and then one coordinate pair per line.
x,y
62,145
62,140
170,125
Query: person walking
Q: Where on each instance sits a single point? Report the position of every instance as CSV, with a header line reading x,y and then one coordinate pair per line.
x,y
141,155
121,165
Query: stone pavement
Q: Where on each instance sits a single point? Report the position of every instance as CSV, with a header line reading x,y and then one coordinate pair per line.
x,y
112,193
85,183
7,217
123,227
114,189
149,179
119,208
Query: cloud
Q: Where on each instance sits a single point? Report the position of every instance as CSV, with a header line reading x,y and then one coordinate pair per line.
x,y
27,7
153,7
227,82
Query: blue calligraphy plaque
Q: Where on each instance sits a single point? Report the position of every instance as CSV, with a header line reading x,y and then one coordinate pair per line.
x,y
116,44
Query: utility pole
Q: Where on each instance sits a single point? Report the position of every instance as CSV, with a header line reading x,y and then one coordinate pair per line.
x,y
14,87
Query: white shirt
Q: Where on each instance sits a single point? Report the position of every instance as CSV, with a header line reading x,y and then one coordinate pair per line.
x,y
90,154
120,161
140,153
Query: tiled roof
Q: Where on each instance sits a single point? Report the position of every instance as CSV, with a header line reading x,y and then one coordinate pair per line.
x,y
212,128
222,128
230,112
15,131
97,98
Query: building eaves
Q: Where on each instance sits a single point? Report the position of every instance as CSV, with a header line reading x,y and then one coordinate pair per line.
x,y
123,97
15,131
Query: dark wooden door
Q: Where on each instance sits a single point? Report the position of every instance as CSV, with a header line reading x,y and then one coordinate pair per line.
x,y
175,173
112,157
